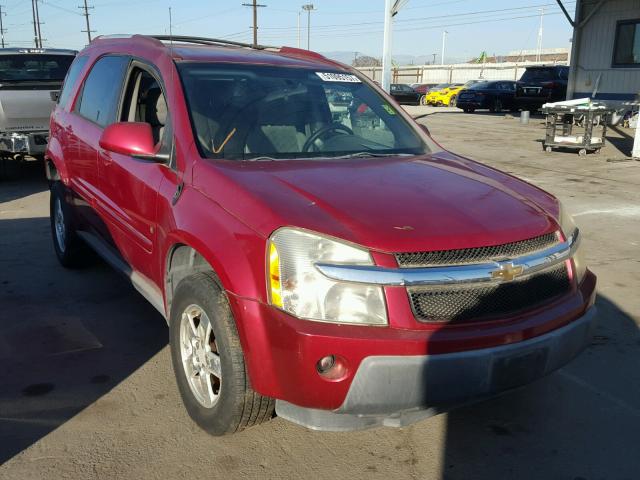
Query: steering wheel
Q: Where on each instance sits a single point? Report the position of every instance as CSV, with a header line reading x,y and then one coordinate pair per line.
x,y
334,127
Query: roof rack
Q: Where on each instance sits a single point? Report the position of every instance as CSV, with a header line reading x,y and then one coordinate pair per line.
x,y
207,41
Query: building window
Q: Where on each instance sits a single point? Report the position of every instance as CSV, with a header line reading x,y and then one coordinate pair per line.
x,y
626,52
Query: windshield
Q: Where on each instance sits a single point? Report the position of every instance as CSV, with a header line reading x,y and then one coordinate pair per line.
x,y
34,67
268,113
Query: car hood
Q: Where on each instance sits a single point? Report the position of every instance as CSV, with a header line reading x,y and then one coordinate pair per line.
x,y
429,202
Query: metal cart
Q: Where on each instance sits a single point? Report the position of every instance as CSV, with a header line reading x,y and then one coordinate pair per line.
x,y
584,115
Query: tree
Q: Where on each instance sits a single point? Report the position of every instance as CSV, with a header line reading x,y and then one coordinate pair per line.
x,y
366,61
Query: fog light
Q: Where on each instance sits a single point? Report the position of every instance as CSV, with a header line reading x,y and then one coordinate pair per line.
x,y
332,368
325,364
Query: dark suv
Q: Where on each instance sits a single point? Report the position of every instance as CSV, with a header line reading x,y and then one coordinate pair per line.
x,y
541,84
311,247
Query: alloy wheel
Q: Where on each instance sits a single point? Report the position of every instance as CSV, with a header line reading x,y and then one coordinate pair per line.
x,y
58,222
200,357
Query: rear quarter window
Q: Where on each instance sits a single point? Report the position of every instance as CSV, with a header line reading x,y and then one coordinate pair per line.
x,y
101,91
71,79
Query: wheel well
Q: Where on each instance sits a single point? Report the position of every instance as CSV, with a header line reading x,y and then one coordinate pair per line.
x,y
51,170
182,262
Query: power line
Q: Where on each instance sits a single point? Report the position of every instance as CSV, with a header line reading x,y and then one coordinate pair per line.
x,y
255,6
418,28
86,17
430,18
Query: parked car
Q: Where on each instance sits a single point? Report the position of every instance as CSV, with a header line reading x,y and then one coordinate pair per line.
x,y
350,273
28,78
435,94
404,94
494,96
541,84
423,89
449,96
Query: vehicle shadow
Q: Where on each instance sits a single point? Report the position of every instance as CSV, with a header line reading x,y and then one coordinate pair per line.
x,y
66,337
21,179
623,141
581,422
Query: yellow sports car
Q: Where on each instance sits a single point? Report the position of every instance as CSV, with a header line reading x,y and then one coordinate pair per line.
x,y
449,94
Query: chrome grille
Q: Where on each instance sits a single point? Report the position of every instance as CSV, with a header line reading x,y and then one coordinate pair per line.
x,y
478,302
476,255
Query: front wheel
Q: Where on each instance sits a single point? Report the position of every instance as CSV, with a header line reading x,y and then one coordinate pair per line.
x,y
453,101
69,248
423,100
208,361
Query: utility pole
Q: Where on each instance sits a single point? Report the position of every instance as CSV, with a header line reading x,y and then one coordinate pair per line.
x,y
35,2
386,45
2,30
86,17
255,6
391,9
444,43
635,153
308,8
539,51
434,58
35,25
298,29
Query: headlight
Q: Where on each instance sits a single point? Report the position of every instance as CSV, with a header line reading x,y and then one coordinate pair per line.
x,y
569,229
296,286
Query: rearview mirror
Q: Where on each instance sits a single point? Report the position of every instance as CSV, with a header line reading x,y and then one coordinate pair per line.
x,y
130,138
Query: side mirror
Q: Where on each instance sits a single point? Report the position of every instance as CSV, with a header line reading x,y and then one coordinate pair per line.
x,y
425,129
130,138
54,95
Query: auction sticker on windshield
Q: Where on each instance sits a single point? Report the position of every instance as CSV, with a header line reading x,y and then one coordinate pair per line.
x,y
338,77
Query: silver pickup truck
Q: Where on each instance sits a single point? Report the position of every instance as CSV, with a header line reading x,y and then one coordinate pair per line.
x,y
30,79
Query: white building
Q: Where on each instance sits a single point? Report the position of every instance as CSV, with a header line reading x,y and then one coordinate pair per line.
x,y
605,54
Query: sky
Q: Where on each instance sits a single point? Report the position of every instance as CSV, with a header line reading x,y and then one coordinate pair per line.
x,y
492,26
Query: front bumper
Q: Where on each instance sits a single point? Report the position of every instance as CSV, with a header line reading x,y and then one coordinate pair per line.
x,y
33,143
400,390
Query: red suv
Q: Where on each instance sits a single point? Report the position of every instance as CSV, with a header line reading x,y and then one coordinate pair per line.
x,y
313,250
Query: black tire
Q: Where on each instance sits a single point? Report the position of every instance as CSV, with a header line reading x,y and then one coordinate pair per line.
x,y
70,249
237,405
453,100
423,100
469,110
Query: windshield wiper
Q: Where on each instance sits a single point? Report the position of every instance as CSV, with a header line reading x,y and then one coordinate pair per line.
x,y
262,158
371,154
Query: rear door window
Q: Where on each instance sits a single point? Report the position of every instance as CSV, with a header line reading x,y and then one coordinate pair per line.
x,y
72,78
101,91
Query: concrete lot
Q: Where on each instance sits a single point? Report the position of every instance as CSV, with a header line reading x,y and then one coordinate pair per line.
x,y
87,391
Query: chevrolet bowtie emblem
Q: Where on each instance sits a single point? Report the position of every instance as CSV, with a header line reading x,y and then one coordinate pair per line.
x,y
507,272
